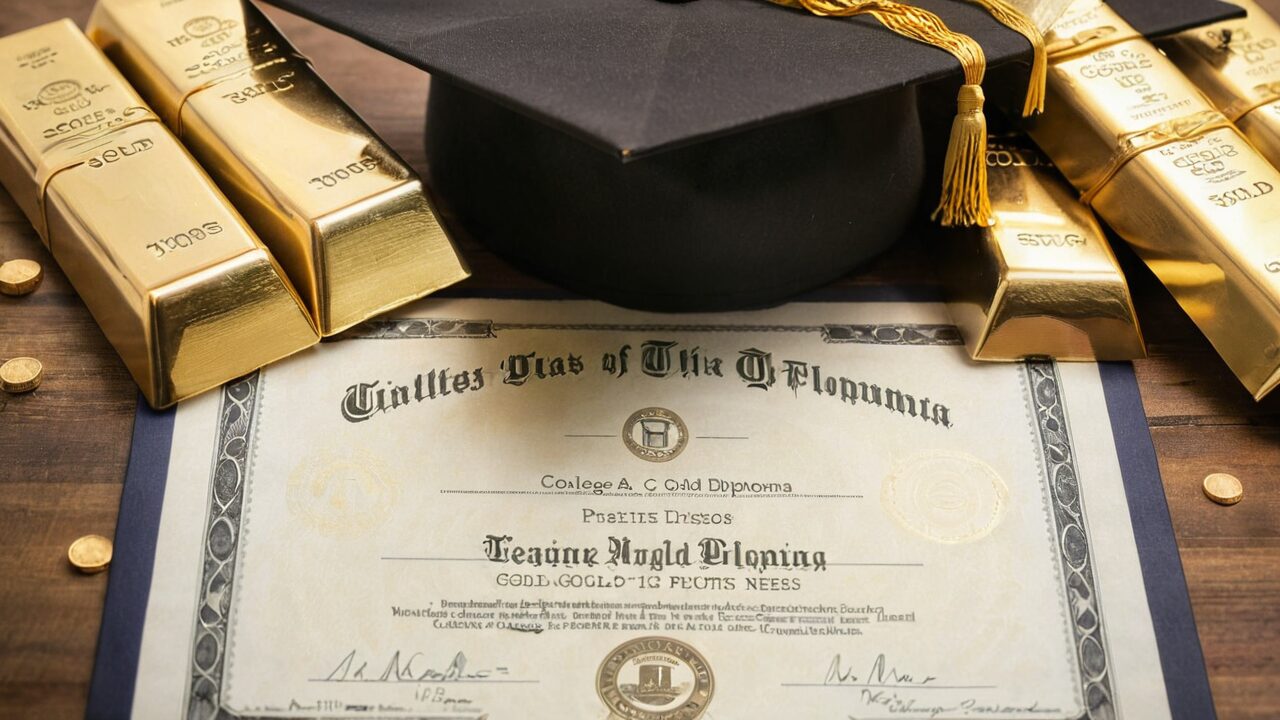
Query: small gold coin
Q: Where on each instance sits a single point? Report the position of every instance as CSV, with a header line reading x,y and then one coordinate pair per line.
x,y
21,374
90,554
1223,489
20,277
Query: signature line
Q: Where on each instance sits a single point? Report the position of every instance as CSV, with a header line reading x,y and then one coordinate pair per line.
x,y
430,682
897,687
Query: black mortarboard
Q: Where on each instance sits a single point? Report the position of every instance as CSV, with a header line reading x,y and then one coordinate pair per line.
x,y
686,156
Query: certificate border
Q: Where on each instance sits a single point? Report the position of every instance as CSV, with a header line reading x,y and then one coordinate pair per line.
x,y
230,473
1075,556
232,470
1186,683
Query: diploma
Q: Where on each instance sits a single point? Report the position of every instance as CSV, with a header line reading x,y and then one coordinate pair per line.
x,y
519,509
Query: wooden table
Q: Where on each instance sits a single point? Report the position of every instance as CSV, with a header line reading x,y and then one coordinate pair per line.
x,y
64,447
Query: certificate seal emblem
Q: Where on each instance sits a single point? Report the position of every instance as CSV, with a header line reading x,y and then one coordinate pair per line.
x,y
341,495
655,434
655,678
948,497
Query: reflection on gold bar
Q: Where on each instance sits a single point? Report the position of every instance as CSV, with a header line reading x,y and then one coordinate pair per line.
x,y
1173,177
180,285
1042,281
1237,64
345,216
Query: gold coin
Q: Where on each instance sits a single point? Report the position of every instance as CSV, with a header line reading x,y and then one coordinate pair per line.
x,y
21,374
1223,489
20,277
90,554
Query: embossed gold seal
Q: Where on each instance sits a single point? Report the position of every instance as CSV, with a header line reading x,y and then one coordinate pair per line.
x,y
655,678
203,25
949,497
655,434
58,91
342,494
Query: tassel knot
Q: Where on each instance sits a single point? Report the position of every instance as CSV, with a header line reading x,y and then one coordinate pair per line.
x,y
970,99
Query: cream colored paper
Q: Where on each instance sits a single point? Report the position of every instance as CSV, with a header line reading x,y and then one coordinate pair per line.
x,y
316,564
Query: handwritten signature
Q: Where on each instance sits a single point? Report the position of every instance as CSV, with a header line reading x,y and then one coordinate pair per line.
x,y
409,667
880,674
892,702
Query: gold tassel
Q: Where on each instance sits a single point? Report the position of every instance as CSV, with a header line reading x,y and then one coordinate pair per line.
x,y
964,199
966,165
1016,20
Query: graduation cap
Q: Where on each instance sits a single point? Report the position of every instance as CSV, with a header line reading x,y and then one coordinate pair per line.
x,y
709,154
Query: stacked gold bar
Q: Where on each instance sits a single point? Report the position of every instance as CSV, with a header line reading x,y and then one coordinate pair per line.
x,y
1237,64
1173,177
180,285
346,217
1042,280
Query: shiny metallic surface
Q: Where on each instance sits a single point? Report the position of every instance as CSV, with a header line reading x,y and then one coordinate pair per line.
x,y
20,375
1042,281
179,284
90,554
1237,65
346,217
1189,193
20,276
1223,488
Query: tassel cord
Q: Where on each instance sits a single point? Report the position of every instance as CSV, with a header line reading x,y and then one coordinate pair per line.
x,y
965,200
1014,19
911,22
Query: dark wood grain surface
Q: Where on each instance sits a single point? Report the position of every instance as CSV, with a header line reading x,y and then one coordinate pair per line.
x,y
63,448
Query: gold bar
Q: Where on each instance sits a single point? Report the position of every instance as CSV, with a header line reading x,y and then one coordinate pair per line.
x,y
180,285
1237,64
1173,178
345,216
1042,280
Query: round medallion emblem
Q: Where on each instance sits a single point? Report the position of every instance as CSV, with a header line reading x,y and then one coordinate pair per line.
x,y
655,434
655,678
201,26
342,494
946,496
58,91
